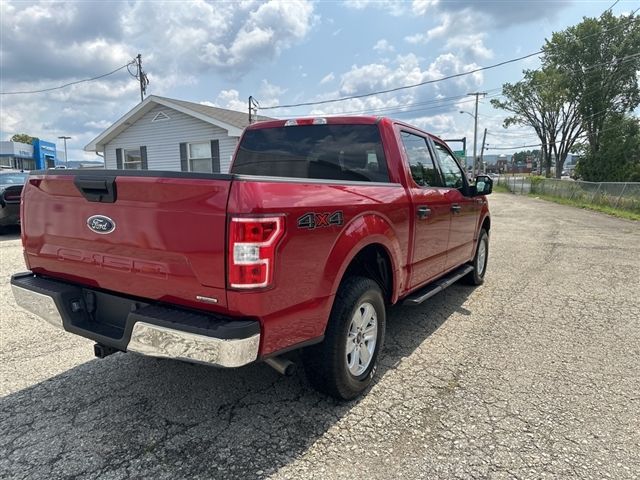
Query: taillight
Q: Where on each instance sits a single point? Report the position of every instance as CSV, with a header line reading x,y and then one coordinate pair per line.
x,y
252,250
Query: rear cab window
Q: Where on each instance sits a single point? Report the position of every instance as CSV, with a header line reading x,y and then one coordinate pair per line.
x,y
328,152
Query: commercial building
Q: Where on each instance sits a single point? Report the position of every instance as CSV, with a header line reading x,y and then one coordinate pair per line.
x,y
22,156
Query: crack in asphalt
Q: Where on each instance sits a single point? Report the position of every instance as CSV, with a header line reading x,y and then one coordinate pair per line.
x,y
535,374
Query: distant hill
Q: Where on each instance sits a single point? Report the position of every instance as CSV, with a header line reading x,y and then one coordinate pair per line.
x,y
84,164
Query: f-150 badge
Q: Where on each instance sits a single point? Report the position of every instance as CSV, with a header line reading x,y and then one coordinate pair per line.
x,y
315,220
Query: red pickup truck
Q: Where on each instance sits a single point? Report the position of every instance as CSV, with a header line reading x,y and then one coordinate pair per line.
x,y
320,225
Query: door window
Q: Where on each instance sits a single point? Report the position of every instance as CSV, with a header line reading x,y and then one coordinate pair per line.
x,y
451,171
421,164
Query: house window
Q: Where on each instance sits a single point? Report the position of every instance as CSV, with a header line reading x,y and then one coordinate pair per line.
x,y
200,157
132,160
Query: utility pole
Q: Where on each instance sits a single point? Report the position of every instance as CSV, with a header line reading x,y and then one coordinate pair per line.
x,y
65,148
142,77
253,109
484,138
475,132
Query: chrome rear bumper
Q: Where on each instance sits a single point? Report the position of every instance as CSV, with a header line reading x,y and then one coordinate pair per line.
x,y
157,341
151,330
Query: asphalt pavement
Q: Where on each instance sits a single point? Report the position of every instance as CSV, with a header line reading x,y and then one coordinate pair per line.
x,y
535,374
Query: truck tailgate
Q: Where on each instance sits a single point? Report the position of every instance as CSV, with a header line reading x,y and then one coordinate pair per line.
x,y
167,242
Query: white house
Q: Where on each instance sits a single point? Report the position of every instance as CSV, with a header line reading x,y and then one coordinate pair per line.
x,y
167,134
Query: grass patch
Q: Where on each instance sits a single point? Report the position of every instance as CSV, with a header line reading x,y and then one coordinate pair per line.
x,y
616,212
501,188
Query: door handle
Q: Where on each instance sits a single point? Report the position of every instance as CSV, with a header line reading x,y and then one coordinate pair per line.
x,y
455,208
423,212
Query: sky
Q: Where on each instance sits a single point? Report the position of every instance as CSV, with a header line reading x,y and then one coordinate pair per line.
x,y
279,52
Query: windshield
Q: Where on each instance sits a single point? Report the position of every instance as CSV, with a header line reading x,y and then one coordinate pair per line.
x,y
332,152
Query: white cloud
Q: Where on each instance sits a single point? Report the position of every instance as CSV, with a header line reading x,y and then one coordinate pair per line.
x,y
383,46
230,37
460,34
393,7
229,99
327,78
180,41
416,38
407,70
420,7
174,37
442,124
472,44
401,71
267,94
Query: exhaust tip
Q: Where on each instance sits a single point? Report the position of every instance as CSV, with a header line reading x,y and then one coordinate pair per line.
x,y
281,365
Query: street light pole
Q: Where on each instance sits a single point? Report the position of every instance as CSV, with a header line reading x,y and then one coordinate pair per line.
x,y
475,132
65,148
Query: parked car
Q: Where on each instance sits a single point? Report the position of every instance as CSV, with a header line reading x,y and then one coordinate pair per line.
x,y
11,183
321,224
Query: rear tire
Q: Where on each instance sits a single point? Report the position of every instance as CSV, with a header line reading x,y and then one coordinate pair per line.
x,y
344,364
479,263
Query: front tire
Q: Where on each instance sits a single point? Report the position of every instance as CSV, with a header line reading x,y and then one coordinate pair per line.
x,y
479,263
344,364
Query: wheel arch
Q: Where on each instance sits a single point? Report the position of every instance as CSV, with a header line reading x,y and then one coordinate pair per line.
x,y
367,247
486,223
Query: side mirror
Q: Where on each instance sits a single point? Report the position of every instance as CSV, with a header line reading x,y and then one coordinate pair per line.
x,y
483,186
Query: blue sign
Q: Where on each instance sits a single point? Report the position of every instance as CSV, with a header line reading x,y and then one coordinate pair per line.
x,y
44,154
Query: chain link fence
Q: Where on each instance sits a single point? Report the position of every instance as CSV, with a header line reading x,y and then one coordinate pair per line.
x,y
622,195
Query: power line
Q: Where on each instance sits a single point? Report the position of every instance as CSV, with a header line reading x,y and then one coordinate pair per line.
x,y
611,7
401,108
398,109
449,101
132,62
437,80
396,89
581,136
446,101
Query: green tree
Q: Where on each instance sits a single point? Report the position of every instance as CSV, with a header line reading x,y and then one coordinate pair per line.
x,y
523,155
599,59
23,138
618,156
541,101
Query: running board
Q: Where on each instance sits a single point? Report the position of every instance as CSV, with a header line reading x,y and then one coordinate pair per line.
x,y
436,287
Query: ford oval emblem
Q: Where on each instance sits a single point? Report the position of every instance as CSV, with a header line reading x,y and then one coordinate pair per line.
x,y
101,224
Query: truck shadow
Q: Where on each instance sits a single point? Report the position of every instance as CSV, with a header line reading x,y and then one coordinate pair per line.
x,y
132,416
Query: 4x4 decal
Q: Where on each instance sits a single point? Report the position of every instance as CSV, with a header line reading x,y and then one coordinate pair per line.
x,y
315,220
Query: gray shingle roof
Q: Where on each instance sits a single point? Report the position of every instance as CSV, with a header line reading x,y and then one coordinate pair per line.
x,y
232,117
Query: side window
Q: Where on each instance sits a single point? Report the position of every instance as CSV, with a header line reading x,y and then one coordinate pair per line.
x,y
453,175
421,164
